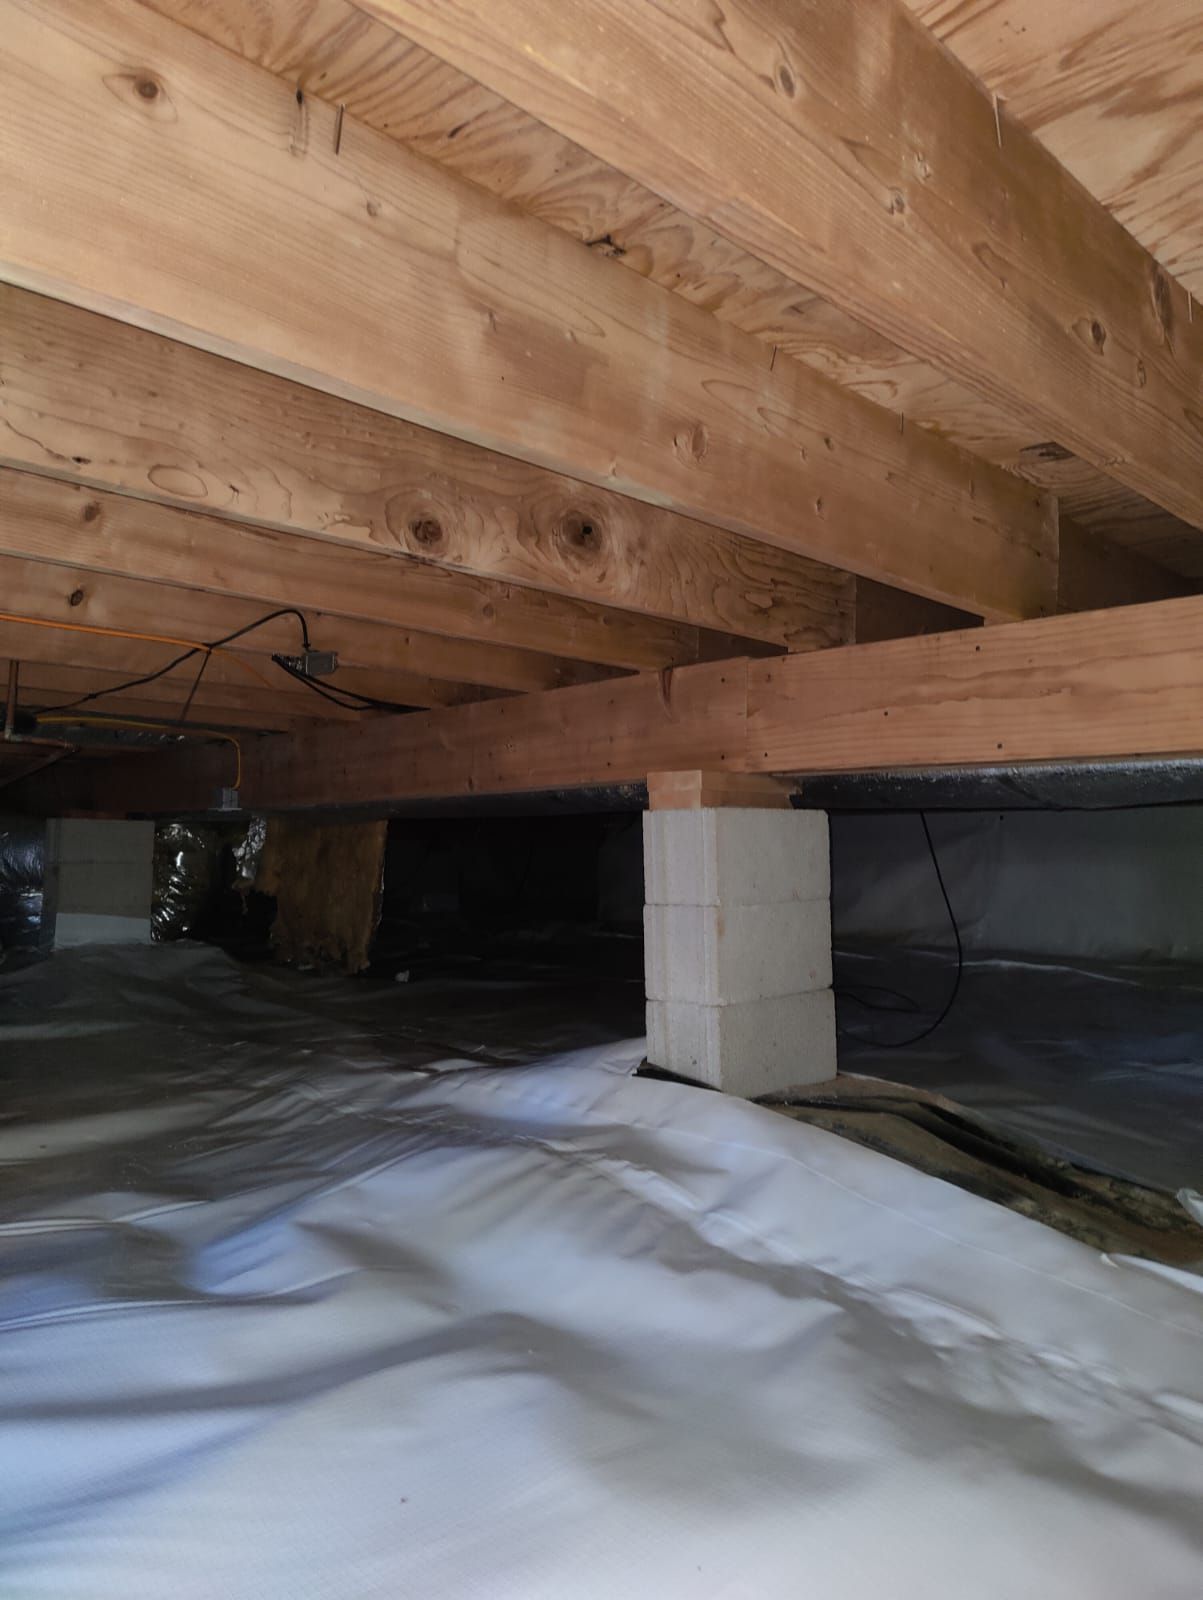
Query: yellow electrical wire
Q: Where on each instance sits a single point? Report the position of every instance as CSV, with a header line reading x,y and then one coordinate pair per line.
x,y
153,727
146,638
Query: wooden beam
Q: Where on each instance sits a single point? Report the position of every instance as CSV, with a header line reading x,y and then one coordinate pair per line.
x,y
90,399
1121,684
844,147
616,732
242,571
459,314
385,656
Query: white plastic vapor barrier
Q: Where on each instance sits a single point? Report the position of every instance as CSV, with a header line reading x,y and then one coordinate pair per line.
x,y
1079,886
284,1315
1102,1066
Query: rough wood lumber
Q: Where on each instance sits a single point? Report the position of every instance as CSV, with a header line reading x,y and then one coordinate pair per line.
x,y
75,595
614,734
94,400
48,685
1092,575
1121,683
331,49
459,314
1069,72
204,716
128,658
1125,683
845,147
699,791
242,572
79,400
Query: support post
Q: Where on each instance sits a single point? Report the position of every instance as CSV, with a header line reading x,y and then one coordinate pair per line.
x,y
737,931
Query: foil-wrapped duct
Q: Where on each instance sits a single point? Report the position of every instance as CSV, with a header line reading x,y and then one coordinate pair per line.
x,y
248,853
186,877
22,869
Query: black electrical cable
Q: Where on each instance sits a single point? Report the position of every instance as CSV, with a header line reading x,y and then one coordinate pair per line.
x,y
130,683
263,621
196,683
903,1044
348,699
259,622
326,692
200,649
906,1006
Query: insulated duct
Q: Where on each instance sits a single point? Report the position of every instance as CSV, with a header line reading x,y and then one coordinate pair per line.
x,y
22,870
187,870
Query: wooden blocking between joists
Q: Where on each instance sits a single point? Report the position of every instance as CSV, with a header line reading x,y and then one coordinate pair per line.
x,y
694,791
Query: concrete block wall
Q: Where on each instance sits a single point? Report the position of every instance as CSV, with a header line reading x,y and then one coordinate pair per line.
x,y
737,930
99,881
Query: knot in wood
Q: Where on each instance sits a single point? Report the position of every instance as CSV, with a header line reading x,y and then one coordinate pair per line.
x,y
426,531
692,443
580,533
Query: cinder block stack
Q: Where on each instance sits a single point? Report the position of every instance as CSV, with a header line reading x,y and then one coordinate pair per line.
x,y
737,924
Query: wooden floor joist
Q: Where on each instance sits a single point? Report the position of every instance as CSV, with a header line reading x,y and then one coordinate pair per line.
x,y
557,363
339,52
519,638
66,539
85,397
459,314
52,661
1113,89
1122,684
47,687
74,595
844,147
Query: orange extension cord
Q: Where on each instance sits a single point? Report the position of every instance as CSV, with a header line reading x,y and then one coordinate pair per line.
x,y
146,638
